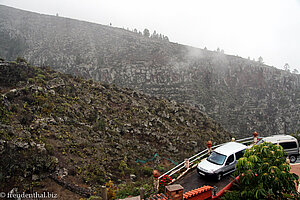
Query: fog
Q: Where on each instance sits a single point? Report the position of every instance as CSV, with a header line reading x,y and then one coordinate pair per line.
x,y
267,28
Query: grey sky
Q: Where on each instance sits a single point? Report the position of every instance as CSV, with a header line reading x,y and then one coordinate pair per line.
x,y
267,28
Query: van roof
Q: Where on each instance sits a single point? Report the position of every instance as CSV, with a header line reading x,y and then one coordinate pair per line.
x,y
230,148
275,138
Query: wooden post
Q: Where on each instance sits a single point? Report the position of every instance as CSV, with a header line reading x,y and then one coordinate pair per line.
x,y
142,193
104,192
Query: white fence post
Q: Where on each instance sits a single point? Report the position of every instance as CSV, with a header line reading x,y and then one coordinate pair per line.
x,y
187,163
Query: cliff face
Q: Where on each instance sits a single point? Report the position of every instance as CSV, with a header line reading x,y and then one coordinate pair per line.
x,y
242,95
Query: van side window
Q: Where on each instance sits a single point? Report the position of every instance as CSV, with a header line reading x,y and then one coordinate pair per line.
x,y
239,154
288,145
230,159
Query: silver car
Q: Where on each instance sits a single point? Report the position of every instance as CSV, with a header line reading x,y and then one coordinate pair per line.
x,y
288,142
222,160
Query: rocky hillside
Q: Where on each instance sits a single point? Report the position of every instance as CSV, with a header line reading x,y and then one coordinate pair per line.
x,y
243,95
53,123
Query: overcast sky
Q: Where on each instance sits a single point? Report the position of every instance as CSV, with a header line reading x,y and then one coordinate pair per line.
x,y
267,28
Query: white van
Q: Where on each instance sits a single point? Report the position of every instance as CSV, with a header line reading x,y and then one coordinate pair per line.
x,y
288,142
222,160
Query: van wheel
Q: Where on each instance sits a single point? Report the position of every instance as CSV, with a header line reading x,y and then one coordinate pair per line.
x,y
219,176
292,158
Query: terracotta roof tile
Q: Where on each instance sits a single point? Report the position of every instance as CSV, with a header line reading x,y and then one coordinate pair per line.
x,y
200,190
186,195
160,196
196,191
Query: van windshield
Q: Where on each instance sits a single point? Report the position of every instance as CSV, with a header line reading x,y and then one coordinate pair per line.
x,y
216,158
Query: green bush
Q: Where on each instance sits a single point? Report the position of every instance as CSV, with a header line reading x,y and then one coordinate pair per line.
x,y
128,190
146,171
20,59
4,112
133,189
94,198
297,135
99,125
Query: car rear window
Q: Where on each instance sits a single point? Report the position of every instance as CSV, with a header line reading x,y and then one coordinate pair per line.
x,y
288,145
239,154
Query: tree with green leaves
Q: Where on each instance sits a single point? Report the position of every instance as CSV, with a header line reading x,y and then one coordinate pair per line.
x,y
295,71
296,135
260,59
264,174
155,35
286,67
146,32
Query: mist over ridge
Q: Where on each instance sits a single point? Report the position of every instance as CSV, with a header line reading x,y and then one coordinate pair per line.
x,y
243,95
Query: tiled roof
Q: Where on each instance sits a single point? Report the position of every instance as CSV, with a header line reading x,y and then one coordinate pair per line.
x,y
160,196
186,195
196,192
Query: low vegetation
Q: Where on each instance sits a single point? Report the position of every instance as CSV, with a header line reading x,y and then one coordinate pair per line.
x,y
90,133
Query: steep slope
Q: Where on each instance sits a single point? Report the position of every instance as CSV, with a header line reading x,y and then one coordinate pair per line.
x,y
243,95
50,121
